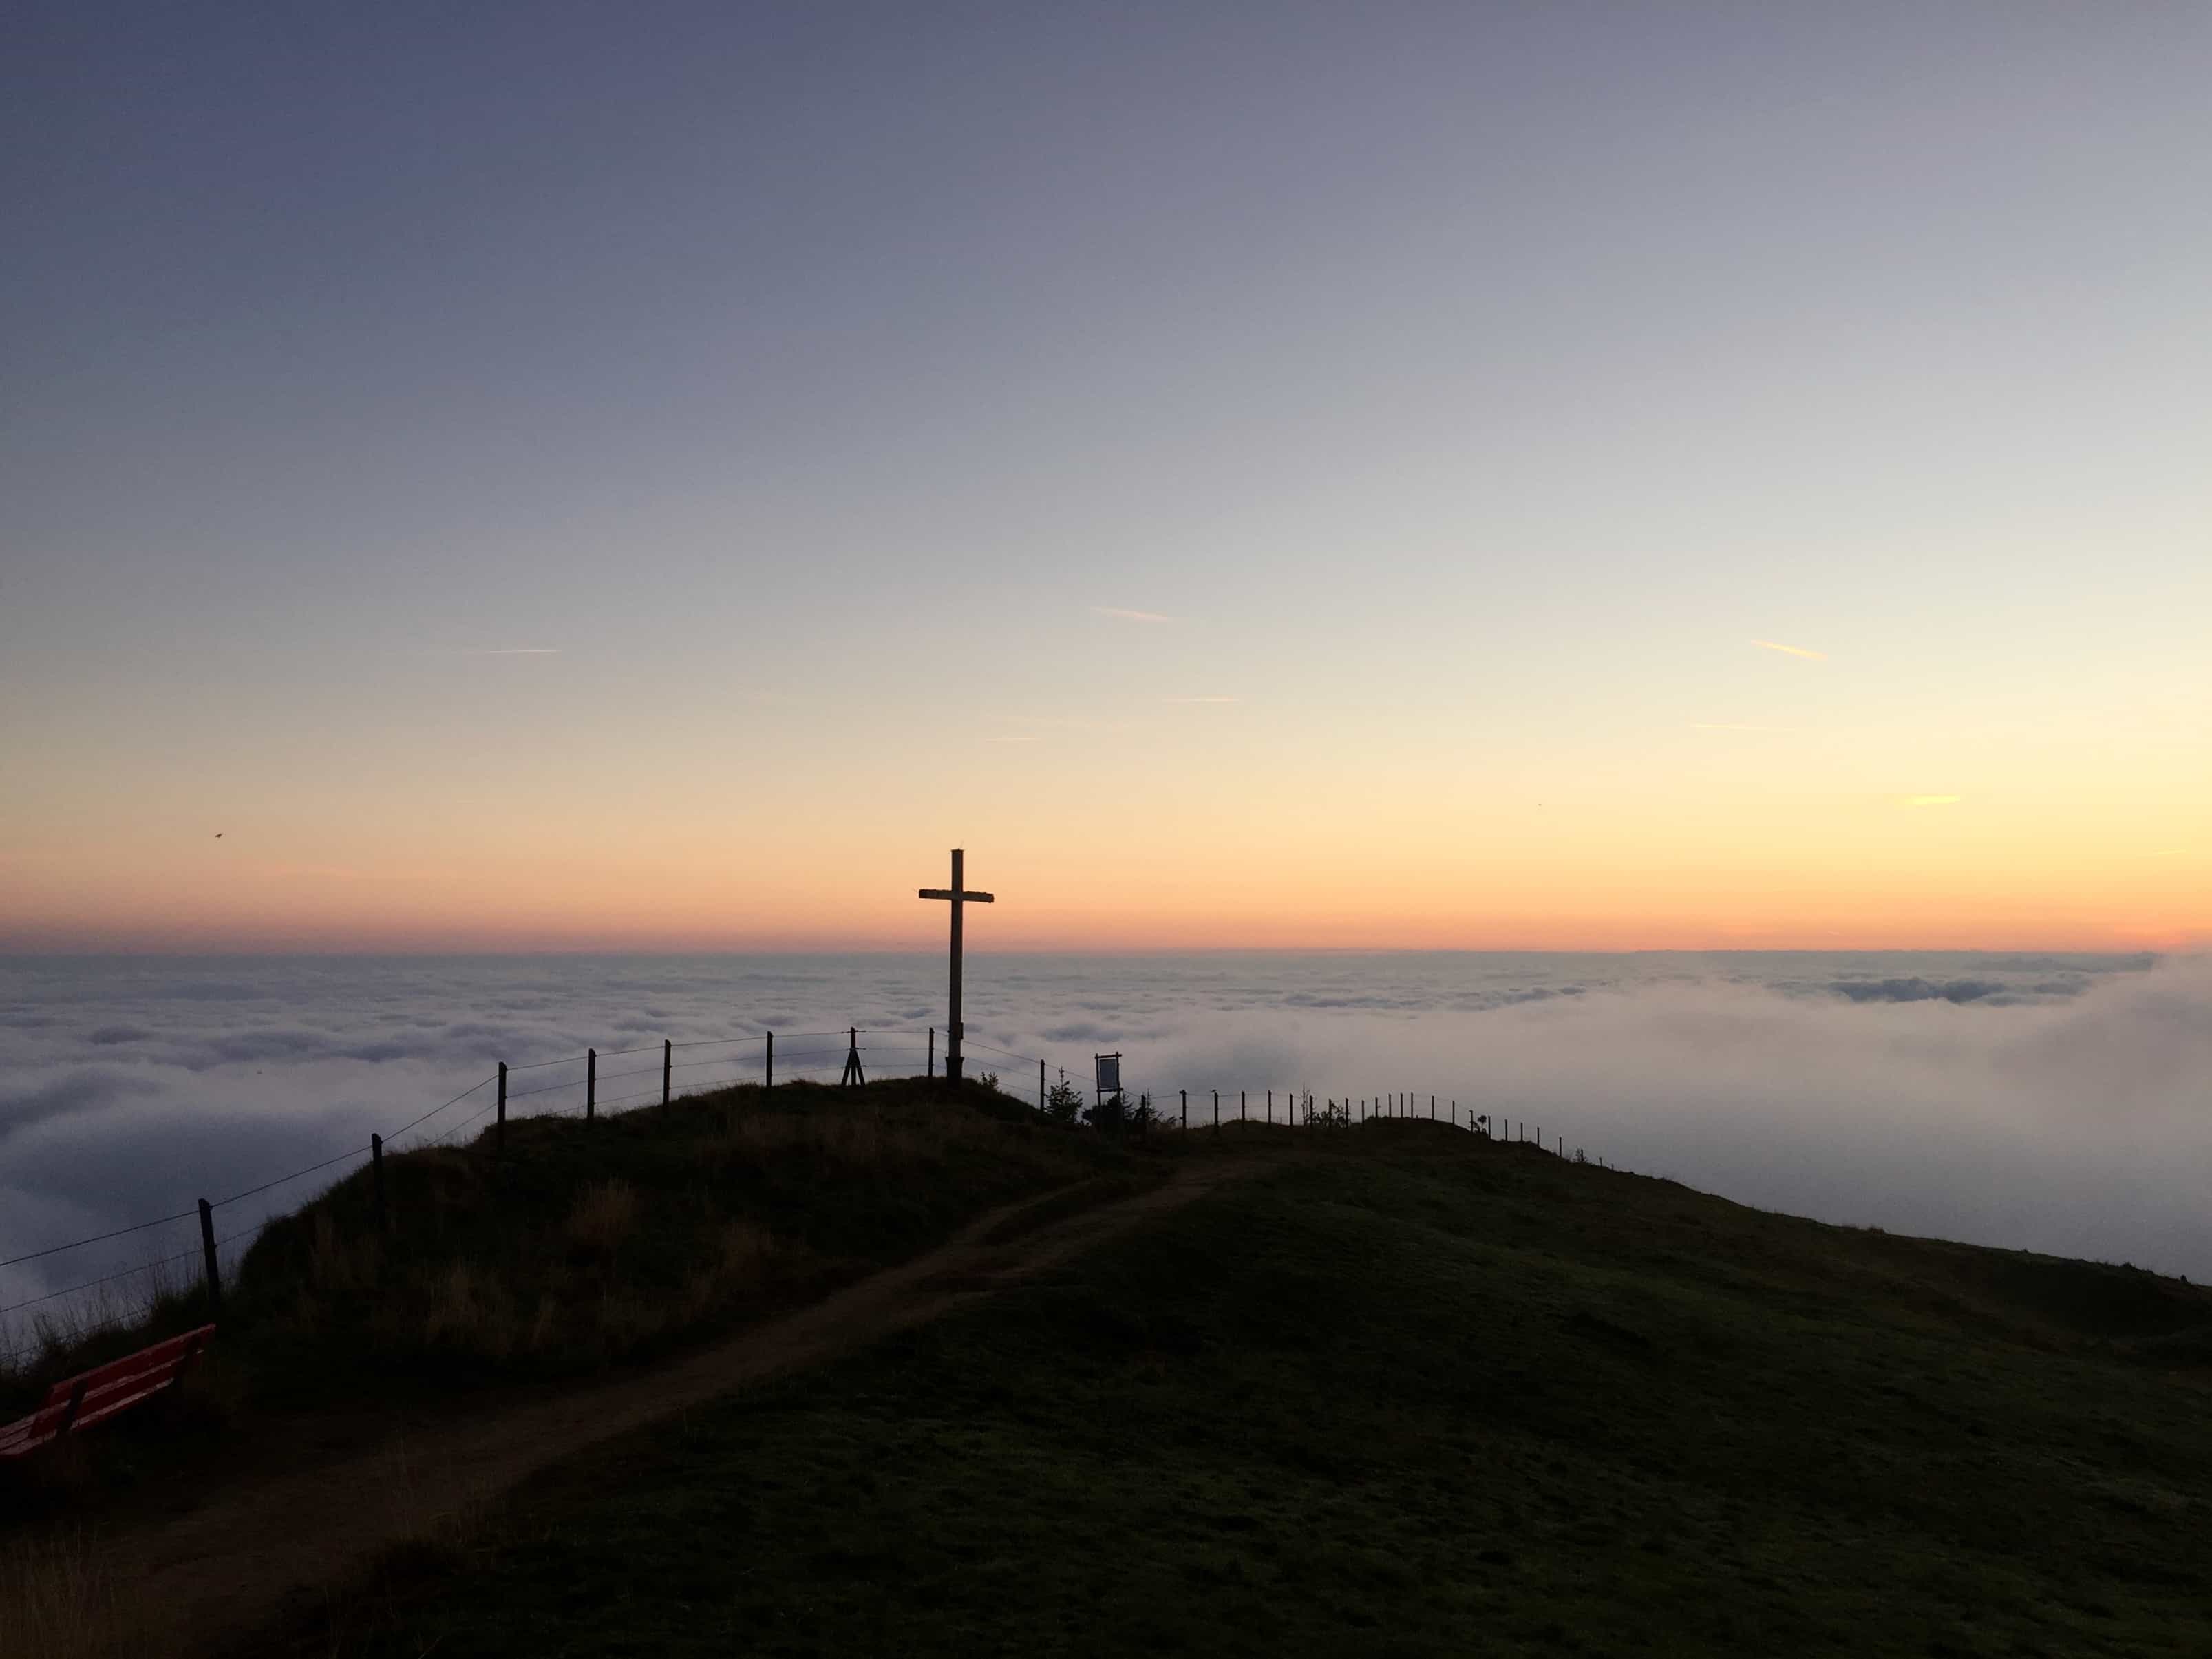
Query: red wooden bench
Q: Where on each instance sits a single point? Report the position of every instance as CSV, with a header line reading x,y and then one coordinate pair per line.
x,y
78,1402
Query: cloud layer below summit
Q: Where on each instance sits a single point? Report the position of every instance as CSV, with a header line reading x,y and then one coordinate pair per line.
x,y
2054,1103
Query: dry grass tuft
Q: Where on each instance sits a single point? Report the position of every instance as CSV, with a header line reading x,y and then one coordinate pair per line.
x,y
744,1252
416,1518
57,1601
468,1311
340,1262
602,1217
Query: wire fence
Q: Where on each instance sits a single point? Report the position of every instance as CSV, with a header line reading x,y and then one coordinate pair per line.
x,y
62,1318
1297,1109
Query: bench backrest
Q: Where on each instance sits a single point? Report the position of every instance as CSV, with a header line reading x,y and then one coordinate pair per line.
x,y
78,1402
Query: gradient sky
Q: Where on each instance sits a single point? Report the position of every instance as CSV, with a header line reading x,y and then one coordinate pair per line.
x,y
1594,475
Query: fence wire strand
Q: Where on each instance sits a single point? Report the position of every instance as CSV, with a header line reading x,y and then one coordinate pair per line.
x,y
105,1278
100,1238
435,1110
357,1151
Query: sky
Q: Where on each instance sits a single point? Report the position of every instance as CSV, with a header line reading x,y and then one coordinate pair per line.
x,y
1468,476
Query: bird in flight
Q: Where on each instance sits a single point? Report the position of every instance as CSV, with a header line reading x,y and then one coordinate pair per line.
x,y
218,835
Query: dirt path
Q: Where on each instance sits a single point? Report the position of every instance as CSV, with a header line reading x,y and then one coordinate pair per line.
x,y
235,1562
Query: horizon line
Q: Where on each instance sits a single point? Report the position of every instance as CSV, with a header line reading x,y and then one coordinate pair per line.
x,y
247,952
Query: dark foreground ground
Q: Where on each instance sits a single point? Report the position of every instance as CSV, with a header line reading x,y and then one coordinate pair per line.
x,y
1414,1395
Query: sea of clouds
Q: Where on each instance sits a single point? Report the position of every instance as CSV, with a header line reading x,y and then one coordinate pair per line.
x,y
2061,1103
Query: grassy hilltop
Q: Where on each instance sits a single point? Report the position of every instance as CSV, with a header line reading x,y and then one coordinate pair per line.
x,y
574,1245
571,1250
591,1264
1404,1392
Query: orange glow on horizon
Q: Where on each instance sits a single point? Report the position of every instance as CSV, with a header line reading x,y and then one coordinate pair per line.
x,y
1678,842
1569,896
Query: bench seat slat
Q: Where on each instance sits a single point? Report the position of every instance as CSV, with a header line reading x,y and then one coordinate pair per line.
x,y
119,1400
133,1364
107,1389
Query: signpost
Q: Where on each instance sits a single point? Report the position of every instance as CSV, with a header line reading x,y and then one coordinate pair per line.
x,y
960,898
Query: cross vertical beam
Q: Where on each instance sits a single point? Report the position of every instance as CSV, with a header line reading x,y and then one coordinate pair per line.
x,y
960,898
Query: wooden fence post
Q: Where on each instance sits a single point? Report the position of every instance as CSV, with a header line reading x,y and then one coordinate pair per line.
x,y
207,1252
1040,1085
1216,1111
376,1165
667,1055
1271,1105
591,1083
500,1141
771,1060
1186,1109
931,1072
1240,1105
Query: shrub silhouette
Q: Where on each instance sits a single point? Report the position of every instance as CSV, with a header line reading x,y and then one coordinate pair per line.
x,y
1115,1115
1063,1102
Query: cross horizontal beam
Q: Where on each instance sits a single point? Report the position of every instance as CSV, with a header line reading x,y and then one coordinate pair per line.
x,y
948,893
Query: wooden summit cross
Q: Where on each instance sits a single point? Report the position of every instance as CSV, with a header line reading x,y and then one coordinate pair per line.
x,y
960,897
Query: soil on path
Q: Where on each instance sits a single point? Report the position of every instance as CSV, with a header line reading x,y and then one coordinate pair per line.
x,y
253,1551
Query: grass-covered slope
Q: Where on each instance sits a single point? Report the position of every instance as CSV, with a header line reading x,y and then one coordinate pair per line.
x,y
576,1246
1408,1394
584,1242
